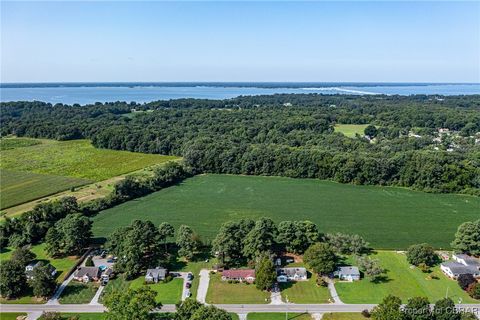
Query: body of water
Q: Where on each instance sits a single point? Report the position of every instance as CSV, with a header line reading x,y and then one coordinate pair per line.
x,y
87,93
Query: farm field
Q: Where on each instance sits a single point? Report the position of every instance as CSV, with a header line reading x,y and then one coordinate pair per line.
x,y
350,130
222,292
387,217
403,282
36,168
19,187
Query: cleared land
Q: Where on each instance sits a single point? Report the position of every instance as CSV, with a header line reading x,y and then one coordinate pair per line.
x,y
19,187
350,130
387,217
403,282
222,292
36,168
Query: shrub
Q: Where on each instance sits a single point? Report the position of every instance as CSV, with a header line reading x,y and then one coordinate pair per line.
x,y
474,290
464,280
89,262
366,313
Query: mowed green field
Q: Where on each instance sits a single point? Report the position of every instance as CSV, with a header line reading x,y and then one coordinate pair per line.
x,y
387,217
35,168
18,187
350,130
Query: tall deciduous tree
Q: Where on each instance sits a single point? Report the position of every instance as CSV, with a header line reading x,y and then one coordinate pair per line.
x,y
467,238
229,241
321,258
371,268
12,279
422,253
43,283
187,242
417,308
445,310
166,231
388,309
70,235
23,255
261,239
135,304
265,275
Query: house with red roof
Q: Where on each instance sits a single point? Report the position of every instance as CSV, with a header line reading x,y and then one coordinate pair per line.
x,y
242,275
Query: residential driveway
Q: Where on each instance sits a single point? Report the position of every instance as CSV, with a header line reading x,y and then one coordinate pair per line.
x,y
58,293
185,290
96,296
333,291
203,286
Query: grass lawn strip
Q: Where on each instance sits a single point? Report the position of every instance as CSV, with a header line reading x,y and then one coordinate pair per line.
x,y
304,292
343,316
167,293
403,282
79,293
222,292
388,217
10,315
278,316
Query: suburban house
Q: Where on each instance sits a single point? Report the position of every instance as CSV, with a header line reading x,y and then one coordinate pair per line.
x,y
242,275
155,275
462,264
32,265
291,274
87,274
347,273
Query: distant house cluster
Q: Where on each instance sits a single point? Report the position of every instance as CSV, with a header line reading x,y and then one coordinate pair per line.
x,y
461,264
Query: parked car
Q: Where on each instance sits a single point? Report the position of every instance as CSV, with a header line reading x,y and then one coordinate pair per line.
x,y
103,254
188,294
190,276
188,285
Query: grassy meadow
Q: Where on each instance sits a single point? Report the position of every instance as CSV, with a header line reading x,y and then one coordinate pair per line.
x,y
403,282
304,292
222,292
350,130
36,168
78,293
387,217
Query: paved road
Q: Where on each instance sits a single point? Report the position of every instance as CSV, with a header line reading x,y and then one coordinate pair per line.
x,y
203,285
236,308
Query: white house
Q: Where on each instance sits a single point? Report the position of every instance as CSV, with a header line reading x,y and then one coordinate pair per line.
x,y
291,274
462,264
347,273
155,275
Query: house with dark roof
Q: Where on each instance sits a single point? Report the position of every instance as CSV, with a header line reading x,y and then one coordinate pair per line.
x,y
35,264
155,275
87,274
347,273
462,264
291,274
242,275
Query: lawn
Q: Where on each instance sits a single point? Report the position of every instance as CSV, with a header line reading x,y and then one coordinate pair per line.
x,y
304,292
403,282
78,293
167,293
77,158
278,316
388,217
13,143
19,187
85,316
63,265
10,315
343,316
350,130
222,292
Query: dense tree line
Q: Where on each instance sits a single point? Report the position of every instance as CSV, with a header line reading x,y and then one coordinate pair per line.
x,y
284,134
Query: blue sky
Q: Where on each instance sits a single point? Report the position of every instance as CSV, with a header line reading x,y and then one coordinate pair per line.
x,y
233,41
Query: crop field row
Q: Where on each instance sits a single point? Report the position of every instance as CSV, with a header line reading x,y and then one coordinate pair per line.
x,y
390,218
18,187
36,168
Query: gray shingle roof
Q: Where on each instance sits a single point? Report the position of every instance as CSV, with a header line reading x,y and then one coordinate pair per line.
x,y
348,271
156,273
458,268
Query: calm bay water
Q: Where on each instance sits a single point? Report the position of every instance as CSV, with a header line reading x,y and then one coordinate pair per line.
x,y
91,93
